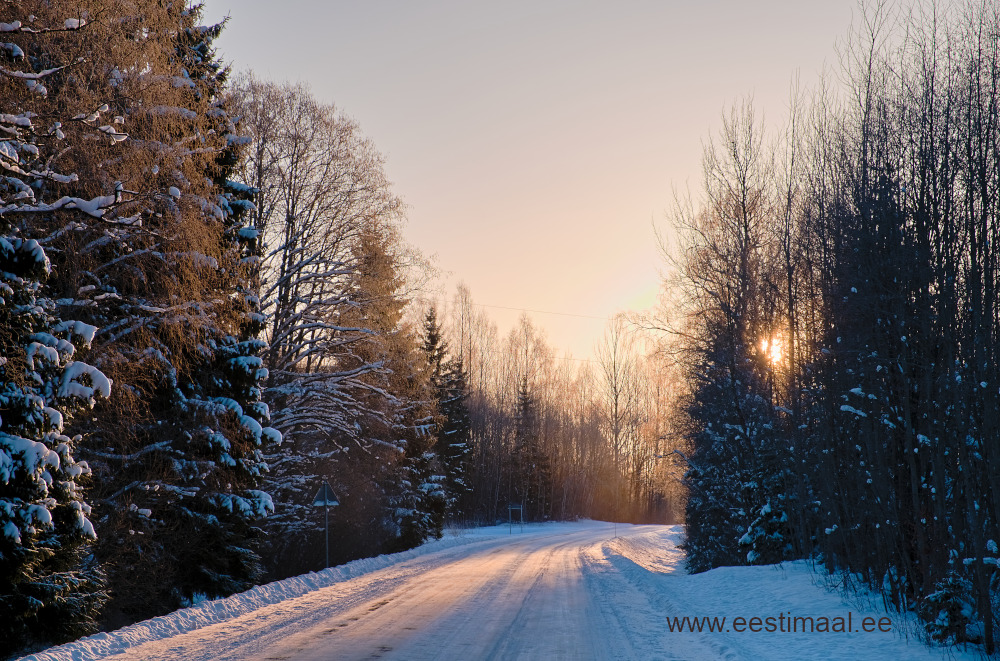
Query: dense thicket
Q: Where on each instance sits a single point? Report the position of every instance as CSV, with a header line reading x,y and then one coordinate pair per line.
x,y
841,325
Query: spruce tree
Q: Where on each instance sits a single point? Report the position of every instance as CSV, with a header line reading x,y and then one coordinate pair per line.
x,y
453,426
455,437
145,246
50,588
217,402
532,470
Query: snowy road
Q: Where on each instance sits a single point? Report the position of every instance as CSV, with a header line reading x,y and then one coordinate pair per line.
x,y
529,598
555,591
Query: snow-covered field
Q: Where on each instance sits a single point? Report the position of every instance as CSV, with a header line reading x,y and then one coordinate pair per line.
x,y
553,591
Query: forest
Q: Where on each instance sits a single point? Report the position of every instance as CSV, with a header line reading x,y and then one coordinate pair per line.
x,y
834,307
208,310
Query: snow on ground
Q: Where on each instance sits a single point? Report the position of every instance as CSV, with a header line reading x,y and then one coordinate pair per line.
x,y
558,590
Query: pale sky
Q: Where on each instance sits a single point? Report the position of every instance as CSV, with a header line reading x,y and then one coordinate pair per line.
x,y
536,142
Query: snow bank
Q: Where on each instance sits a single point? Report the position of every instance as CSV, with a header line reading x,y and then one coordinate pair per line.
x,y
652,563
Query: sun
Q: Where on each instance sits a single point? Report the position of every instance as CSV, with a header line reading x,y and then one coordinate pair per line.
x,y
771,347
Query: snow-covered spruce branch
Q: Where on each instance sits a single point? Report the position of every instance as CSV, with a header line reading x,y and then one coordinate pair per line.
x,y
133,323
69,25
95,207
21,75
167,258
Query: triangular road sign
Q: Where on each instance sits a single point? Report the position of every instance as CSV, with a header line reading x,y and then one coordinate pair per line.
x,y
325,496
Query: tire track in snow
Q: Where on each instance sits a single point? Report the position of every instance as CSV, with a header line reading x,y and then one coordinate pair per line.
x,y
534,634
640,621
492,620
620,568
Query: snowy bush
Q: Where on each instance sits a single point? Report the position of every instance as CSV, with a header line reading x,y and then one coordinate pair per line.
x,y
949,612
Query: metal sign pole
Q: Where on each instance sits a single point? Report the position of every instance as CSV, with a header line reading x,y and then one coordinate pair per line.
x,y
327,499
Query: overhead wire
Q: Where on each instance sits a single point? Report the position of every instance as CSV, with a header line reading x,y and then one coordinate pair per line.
x,y
562,314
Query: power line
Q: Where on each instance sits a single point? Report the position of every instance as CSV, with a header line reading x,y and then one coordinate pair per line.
x,y
495,352
561,314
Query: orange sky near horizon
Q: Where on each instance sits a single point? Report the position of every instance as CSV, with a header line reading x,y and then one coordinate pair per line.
x,y
537,142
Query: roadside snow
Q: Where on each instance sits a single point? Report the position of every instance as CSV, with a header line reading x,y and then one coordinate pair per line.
x,y
653,564
559,590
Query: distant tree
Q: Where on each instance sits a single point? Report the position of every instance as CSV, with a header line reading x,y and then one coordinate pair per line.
x,y
532,465
620,403
453,427
455,437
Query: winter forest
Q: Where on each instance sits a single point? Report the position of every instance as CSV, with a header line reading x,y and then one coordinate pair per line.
x,y
208,309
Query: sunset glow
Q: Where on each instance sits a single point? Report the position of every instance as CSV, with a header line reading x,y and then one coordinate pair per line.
x,y
772,349
540,140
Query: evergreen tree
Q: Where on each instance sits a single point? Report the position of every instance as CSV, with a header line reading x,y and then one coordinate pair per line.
x,y
453,427
435,347
532,471
455,438
50,589
226,376
137,239
736,475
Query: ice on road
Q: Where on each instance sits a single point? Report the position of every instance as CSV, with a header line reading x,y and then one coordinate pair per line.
x,y
553,591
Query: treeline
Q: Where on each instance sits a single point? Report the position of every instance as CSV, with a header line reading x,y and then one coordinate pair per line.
x,y
207,310
839,324
564,437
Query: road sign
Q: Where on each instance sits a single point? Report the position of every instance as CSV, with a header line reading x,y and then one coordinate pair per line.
x,y
326,499
325,496
511,507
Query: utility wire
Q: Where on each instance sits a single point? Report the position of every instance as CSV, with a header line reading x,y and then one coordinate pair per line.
x,y
494,352
561,314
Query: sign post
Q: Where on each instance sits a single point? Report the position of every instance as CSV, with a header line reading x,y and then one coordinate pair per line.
x,y
327,499
510,516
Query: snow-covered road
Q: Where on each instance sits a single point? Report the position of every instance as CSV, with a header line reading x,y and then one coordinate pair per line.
x,y
554,591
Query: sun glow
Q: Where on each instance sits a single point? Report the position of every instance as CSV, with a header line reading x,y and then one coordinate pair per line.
x,y
771,347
